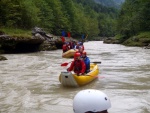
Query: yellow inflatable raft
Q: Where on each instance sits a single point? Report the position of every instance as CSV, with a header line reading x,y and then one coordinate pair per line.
x,y
72,80
69,53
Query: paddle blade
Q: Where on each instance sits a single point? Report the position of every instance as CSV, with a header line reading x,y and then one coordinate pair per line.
x,y
64,64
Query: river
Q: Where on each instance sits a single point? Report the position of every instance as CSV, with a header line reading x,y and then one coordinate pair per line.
x,y
29,82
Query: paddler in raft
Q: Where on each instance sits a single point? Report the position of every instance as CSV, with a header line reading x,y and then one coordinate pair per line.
x,y
84,58
78,65
65,47
86,61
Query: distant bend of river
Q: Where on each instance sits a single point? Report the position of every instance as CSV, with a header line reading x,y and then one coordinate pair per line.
x,y
29,82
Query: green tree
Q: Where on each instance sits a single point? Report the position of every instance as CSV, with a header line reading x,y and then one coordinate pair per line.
x,y
60,20
134,18
10,14
45,14
29,14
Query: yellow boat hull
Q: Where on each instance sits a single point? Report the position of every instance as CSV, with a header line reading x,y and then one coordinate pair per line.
x,y
72,80
69,53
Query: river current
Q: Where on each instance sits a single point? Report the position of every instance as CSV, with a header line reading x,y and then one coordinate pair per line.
x,y
29,82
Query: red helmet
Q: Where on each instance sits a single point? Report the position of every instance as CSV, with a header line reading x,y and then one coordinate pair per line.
x,y
77,55
84,53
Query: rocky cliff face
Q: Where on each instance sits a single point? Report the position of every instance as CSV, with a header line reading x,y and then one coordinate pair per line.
x,y
39,41
10,44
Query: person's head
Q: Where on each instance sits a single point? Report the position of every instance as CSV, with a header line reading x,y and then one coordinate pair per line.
x,y
77,43
80,43
91,101
77,56
67,43
80,49
84,54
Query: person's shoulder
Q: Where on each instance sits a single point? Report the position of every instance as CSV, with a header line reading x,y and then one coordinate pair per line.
x,y
88,58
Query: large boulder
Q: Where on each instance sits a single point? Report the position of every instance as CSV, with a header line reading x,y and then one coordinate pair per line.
x,y
39,31
46,46
147,47
19,44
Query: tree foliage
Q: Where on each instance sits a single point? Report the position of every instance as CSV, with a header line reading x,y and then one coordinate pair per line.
x,y
134,18
76,16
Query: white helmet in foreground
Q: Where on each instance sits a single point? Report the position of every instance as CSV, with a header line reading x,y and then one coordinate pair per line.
x,y
90,100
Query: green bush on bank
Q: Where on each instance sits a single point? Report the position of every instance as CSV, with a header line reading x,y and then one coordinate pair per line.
x,y
142,39
15,32
144,35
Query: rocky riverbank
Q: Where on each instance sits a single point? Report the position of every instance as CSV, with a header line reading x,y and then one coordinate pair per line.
x,y
11,44
111,40
20,44
139,40
23,44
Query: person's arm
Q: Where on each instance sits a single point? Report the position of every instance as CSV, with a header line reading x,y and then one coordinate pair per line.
x,y
83,67
88,63
71,67
75,47
83,47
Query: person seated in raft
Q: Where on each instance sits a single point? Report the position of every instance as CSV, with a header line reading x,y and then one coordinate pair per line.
x,y
65,47
74,44
68,45
71,44
81,45
77,45
78,65
80,50
86,61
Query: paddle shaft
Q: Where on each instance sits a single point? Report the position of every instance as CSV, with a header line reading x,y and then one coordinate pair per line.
x,y
65,64
97,62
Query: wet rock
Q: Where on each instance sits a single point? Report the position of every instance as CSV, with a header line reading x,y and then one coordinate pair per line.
x,y
2,58
111,40
2,33
46,46
39,41
147,47
19,44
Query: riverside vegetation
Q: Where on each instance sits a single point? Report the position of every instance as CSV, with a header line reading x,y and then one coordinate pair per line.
x,y
129,24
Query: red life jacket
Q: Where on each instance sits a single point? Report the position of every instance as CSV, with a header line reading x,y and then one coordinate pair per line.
x,y
64,47
63,39
71,45
78,66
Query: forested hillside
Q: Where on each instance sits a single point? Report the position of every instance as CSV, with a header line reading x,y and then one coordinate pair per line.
x,y
77,16
134,19
119,1
110,3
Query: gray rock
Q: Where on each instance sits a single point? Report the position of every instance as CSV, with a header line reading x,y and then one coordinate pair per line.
x,y
3,58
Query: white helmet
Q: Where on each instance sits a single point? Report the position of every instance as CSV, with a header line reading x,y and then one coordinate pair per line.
x,y
90,100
